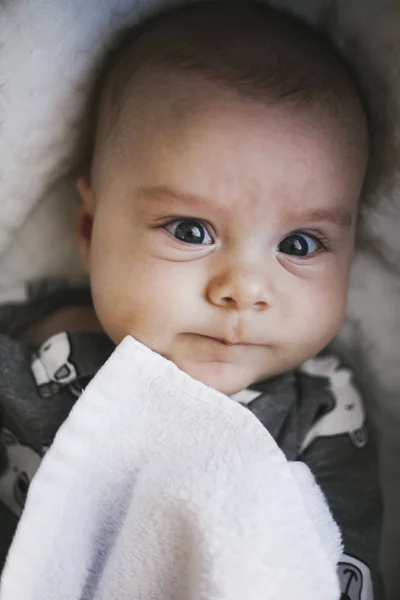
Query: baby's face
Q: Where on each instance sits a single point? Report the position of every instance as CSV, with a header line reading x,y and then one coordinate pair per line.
x,y
225,245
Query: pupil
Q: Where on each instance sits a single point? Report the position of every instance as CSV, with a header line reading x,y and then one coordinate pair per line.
x,y
294,245
190,231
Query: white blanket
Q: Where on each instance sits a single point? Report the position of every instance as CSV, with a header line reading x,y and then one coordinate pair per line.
x,y
159,488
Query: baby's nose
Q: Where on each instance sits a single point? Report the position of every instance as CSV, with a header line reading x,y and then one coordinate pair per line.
x,y
240,289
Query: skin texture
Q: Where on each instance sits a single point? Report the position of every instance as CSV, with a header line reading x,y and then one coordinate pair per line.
x,y
236,308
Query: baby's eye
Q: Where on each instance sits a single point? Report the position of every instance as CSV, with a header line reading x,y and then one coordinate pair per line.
x,y
299,244
189,231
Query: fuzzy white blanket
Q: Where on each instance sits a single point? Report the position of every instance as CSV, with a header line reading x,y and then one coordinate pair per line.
x,y
160,488
48,54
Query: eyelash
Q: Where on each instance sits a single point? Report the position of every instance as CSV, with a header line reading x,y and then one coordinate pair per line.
x,y
321,240
208,228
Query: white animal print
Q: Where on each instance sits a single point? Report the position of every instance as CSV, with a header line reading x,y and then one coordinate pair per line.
x,y
51,366
348,414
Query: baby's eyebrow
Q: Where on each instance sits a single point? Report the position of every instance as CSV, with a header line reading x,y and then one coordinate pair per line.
x,y
338,216
161,192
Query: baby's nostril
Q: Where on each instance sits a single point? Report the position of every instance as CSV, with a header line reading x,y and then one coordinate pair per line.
x,y
261,305
227,300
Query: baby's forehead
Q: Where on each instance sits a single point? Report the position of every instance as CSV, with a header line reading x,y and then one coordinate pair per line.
x,y
172,105
235,149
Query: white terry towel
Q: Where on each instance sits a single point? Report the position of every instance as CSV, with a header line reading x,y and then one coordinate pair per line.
x,y
159,488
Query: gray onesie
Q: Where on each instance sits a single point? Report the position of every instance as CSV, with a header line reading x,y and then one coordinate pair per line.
x,y
314,413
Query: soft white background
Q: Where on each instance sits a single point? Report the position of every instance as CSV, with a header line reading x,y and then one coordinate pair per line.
x,y
49,52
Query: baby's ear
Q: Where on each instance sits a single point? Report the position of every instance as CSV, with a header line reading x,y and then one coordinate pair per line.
x,y
85,219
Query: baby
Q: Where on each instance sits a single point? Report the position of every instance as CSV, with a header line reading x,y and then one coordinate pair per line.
x,y
217,226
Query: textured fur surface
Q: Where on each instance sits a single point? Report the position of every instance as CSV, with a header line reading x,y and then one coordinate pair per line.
x,y
48,58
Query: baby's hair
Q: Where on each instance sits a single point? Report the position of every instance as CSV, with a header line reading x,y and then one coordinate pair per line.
x,y
256,51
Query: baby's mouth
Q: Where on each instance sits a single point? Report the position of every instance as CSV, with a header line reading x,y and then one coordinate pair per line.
x,y
215,349
224,341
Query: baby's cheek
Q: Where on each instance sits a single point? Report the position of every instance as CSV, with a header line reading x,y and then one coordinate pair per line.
x,y
109,298
328,312
107,310
128,303
317,311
